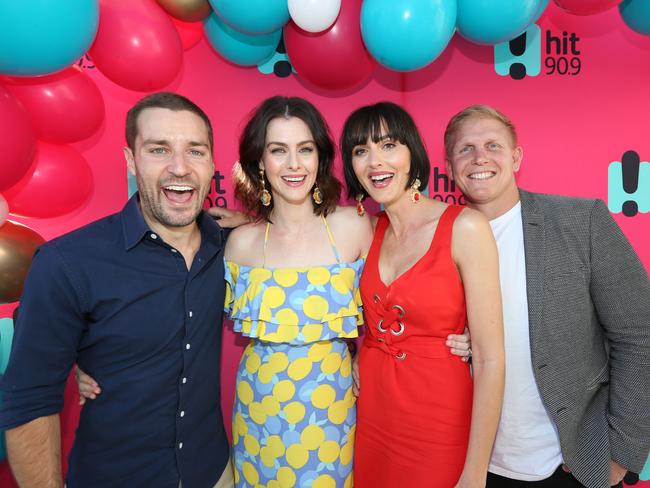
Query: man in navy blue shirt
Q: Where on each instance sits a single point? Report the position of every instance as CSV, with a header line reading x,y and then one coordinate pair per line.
x,y
135,299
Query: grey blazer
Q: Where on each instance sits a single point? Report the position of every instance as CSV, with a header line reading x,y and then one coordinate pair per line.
x,y
589,313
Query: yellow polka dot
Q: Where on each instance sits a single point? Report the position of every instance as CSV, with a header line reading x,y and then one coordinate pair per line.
x,y
285,277
274,442
349,398
244,392
284,390
323,396
273,296
346,452
237,476
287,333
328,452
346,366
271,406
294,412
265,374
312,332
315,307
259,275
253,363
331,363
250,473
318,276
336,324
339,284
256,411
297,456
348,482
312,437
286,316
240,424
246,325
278,362
273,484
347,275
267,456
337,412
251,445
299,368
252,291
286,477
324,481
319,350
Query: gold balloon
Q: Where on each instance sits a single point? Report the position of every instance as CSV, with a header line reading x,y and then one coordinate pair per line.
x,y
186,10
17,246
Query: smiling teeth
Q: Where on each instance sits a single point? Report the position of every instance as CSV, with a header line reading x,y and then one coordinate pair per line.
x,y
293,179
179,188
482,176
380,177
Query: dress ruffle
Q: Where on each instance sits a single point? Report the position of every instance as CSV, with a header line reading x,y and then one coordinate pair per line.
x,y
295,305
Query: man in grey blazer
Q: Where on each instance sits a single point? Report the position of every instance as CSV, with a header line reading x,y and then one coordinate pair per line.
x,y
576,316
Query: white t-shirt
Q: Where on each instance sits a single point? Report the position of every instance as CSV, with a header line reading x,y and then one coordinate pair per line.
x,y
527,446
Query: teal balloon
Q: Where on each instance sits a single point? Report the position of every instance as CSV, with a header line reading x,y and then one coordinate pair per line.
x,y
253,16
541,7
237,47
406,35
39,37
495,21
636,14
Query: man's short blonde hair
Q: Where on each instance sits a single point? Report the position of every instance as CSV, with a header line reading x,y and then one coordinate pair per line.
x,y
484,111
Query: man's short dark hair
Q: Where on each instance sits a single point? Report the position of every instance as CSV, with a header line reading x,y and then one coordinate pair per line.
x,y
168,100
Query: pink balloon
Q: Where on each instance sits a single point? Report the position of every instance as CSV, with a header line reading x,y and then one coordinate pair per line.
x,y
137,45
64,107
334,59
4,210
60,182
190,33
586,7
17,140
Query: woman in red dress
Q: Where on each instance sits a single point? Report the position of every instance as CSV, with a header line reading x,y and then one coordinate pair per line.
x,y
421,421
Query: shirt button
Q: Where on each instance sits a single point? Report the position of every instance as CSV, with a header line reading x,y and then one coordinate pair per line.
x,y
190,314
182,413
180,445
174,250
184,380
153,236
187,346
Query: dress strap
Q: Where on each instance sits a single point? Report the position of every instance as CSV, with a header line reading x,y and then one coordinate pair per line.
x,y
446,224
331,238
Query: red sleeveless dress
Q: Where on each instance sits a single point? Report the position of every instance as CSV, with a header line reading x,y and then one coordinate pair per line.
x,y
415,405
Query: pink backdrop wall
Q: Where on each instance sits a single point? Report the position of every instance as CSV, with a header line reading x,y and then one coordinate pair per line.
x,y
571,126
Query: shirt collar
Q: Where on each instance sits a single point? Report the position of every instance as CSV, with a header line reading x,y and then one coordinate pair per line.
x,y
135,226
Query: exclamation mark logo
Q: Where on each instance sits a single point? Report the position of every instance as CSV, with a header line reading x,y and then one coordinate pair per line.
x,y
520,56
628,185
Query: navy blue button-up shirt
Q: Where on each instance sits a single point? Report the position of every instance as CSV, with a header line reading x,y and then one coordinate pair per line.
x,y
116,299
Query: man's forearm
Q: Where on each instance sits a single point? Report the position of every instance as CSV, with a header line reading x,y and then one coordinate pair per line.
x,y
34,451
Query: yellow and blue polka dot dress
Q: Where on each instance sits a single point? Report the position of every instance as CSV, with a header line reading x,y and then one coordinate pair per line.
x,y
294,414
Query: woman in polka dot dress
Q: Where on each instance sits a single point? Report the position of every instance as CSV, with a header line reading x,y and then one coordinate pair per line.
x,y
292,287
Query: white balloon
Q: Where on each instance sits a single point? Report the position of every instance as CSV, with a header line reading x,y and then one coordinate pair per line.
x,y
314,15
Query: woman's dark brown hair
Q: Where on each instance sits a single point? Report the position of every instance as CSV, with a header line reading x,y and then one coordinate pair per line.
x,y
248,184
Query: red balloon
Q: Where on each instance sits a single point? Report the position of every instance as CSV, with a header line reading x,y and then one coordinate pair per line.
x,y
190,33
136,46
60,182
64,107
586,7
17,140
334,59
17,246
